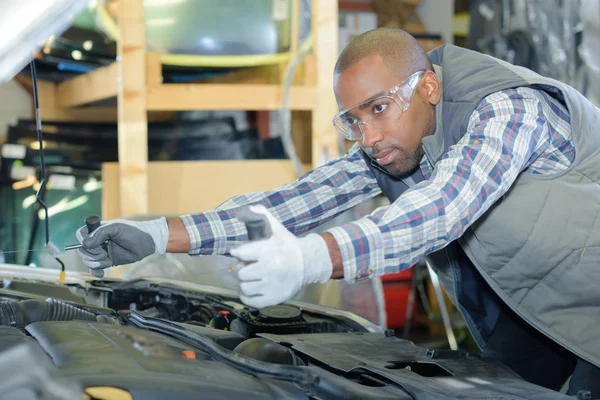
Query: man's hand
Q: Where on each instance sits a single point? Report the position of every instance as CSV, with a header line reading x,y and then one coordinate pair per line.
x,y
280,265
128,242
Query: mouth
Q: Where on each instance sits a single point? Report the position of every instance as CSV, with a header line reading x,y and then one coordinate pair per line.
x,y
386,157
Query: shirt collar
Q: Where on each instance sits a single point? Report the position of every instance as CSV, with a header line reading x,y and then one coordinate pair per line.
x,y
433,145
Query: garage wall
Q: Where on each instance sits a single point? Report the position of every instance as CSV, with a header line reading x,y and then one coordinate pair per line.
x,y
15,103
438,17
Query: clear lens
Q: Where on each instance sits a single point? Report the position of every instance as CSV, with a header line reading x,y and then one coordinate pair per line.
x,y
379,113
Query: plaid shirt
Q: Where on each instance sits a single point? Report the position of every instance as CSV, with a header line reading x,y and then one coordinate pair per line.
x,y
511,131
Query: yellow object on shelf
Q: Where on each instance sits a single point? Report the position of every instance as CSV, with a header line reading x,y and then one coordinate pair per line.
x,y
460,24
192,60
107,393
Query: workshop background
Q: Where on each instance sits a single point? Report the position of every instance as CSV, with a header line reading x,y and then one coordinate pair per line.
x,y
166,107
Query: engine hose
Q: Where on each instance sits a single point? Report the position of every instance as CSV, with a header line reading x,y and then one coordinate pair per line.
x,y
19,314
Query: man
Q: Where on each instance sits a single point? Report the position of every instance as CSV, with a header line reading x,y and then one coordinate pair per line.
x,y
491,170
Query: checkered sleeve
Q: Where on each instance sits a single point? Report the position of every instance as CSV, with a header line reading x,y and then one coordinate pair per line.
x,y
313,199
504,135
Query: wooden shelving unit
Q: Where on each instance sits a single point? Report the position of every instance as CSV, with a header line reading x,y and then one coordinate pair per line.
x,y
135,186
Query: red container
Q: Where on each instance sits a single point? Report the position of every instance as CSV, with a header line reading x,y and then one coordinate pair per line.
x,y
396,288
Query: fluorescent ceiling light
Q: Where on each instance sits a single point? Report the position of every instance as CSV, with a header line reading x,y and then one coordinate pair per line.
x,y
161,21
161,3
36,145
76,54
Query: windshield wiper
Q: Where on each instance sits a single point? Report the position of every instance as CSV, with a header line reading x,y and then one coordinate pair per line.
x,y
314,383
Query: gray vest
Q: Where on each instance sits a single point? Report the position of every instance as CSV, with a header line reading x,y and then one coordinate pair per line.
x,y
538,247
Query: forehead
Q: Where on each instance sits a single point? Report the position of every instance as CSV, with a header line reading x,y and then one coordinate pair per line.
x,y
362,80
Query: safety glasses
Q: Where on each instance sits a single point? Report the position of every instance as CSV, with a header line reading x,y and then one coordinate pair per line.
x,y
378,112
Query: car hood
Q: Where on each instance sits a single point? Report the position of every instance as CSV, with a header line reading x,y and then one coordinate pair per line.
x,y
158,338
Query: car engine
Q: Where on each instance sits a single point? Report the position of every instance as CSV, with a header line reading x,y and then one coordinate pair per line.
x,y
148,339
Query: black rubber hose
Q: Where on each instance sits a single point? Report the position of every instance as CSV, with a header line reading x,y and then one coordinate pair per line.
x,y
308,379
19,314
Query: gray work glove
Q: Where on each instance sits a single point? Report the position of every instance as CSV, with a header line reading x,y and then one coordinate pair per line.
x,y
128,242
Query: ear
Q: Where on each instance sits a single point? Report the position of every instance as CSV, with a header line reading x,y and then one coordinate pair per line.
x,y
431,87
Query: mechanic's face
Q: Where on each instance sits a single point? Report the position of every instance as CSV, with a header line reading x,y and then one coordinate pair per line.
x,y
396,147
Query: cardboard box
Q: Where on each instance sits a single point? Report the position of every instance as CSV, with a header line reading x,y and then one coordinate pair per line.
x,y
399,14
352,24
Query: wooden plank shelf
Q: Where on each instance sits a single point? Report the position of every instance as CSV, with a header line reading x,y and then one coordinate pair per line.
x,y
135,80
187,97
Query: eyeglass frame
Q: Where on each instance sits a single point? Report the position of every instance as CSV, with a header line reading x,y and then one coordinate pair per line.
x,y
411,81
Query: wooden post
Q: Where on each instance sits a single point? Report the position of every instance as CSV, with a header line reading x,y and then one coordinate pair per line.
x,y
131,98
325,34
324,15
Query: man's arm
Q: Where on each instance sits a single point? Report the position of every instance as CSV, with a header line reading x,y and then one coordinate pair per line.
x,y
313,199
506,133
179,240
335,255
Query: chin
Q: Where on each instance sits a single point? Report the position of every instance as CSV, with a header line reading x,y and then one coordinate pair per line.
x,y
406,164
400,169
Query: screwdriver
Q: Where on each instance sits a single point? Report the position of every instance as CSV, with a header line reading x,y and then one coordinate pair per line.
x,y
256,224
92,222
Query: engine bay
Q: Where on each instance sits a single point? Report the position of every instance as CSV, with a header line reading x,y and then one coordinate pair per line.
x,y
222,313
159,340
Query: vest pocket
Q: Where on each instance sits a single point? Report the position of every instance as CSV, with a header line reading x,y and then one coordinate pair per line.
x,y
581,268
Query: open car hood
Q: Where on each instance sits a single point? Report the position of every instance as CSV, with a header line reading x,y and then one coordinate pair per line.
x,y
158,339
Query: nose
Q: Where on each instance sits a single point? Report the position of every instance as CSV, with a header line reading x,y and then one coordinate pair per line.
x,y
370,136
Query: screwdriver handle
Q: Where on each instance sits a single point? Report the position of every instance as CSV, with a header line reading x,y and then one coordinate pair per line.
x,y
257,230
93,222
257,224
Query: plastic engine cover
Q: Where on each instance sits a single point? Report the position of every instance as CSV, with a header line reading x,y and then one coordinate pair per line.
x,y
147,364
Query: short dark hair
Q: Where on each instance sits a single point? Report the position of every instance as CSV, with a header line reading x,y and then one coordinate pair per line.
x,y
400,51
